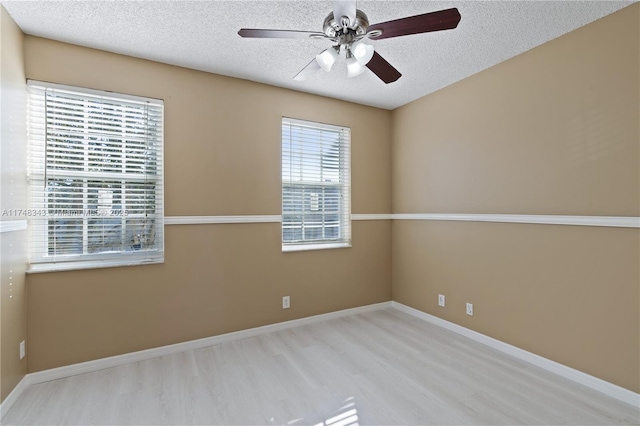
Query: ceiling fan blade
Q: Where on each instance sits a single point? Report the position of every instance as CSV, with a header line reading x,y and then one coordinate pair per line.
x,y
383,69
311,68
256,33
345,8
434,21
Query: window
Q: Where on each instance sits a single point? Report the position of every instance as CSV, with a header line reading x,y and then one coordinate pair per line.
x,y
316,204
95,178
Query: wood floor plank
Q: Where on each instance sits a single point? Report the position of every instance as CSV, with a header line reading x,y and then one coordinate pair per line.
x,y
382,367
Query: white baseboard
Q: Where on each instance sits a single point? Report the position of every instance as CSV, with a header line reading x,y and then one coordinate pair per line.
x,y
577,376
607,388
114,361
13,396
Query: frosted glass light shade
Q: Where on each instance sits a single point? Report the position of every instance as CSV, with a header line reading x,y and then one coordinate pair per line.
x,y
362,52
353,67
327,58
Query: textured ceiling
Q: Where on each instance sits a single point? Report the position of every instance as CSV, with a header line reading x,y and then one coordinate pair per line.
x,y
203,35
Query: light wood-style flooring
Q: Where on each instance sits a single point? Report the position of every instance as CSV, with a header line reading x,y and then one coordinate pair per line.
x,y
382,367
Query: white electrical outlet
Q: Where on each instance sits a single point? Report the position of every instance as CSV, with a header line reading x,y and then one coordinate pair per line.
x,y
470,309
441,300
286,302
22,350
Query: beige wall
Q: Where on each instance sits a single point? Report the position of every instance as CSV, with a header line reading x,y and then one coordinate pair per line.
x,y
13,158
222,157
552,131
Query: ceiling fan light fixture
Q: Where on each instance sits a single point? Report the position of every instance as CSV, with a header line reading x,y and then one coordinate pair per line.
x,y
362,52
353,67
327,58
347,26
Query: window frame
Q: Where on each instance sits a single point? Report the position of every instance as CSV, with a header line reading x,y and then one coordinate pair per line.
x,y
344,185
39,211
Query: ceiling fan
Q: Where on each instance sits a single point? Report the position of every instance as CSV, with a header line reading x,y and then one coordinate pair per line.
x,y
347,28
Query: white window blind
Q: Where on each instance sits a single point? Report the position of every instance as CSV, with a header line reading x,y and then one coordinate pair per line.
x,y
95,178
316,185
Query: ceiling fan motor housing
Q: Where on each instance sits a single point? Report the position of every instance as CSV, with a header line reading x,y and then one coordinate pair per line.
x,y
335,29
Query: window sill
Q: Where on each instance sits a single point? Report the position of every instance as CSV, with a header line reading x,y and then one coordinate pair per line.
x,y
308,247
38,268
